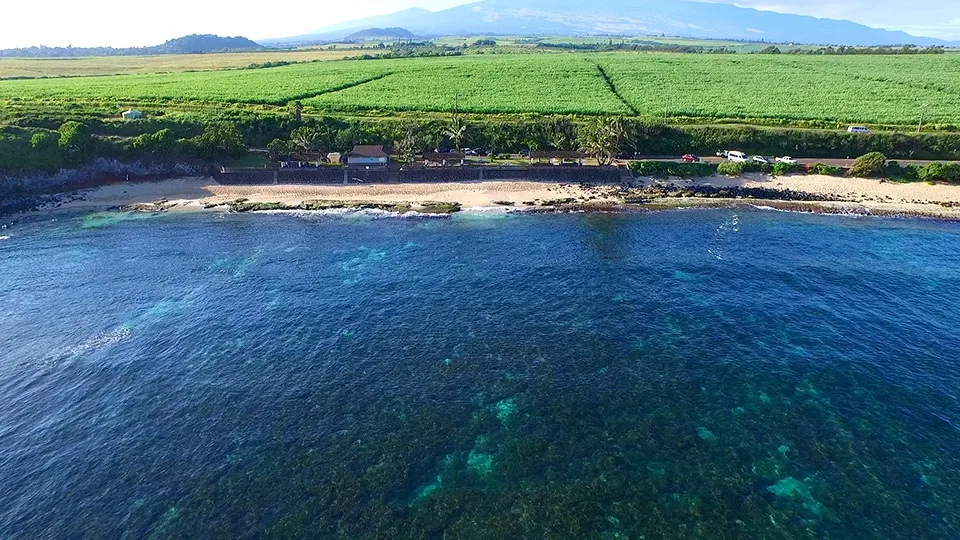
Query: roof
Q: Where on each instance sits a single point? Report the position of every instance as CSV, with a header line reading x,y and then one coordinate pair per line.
x,y
367,151
557,154
440,156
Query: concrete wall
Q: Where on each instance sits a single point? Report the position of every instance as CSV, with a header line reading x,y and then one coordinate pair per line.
x,y
570,175
362,175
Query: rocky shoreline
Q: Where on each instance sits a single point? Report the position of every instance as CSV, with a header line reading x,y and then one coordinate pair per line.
x,y
799,194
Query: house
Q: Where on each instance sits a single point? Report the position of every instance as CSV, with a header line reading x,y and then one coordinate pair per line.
x,y
368,155
132,114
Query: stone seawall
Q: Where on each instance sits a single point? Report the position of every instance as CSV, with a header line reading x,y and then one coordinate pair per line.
x,y
358,175
306,175
569,175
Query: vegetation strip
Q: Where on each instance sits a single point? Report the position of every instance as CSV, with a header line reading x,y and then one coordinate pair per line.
x,y
341,88
613,88
816,91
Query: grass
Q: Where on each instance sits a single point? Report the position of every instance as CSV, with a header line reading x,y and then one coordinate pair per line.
x,y
786,89
485,84
170,63
248,161
255,86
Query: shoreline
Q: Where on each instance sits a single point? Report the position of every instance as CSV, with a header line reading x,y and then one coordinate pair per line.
x,y
816,194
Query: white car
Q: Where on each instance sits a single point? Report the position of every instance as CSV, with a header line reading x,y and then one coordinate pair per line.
x,y
787,159
857,129
760,159
737,157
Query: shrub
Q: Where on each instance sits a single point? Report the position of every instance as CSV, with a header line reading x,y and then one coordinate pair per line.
x,y
753,166
939,172
869,165
910,173
279,149
691,170
782,169
648,168
824,169
666,168
729,168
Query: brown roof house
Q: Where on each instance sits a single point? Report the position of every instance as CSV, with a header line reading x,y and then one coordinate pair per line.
x,y
368,155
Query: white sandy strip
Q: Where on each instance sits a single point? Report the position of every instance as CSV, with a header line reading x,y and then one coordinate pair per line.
x,y
195,193
853,189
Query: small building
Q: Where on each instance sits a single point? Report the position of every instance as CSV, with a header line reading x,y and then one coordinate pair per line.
x,y
131,114
368,155
558,157
444,158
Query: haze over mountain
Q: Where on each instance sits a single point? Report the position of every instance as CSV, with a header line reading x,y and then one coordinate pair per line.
x,y
196,43
621,17
378,33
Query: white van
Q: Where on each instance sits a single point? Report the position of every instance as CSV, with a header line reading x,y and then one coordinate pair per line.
x,y
857,129
737,157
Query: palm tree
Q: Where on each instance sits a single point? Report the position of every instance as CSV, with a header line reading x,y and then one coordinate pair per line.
x,y
456,131
603,137
409,145
297,111
304,138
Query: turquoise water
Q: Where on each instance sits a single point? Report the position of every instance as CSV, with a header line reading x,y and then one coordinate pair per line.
x,y
692,374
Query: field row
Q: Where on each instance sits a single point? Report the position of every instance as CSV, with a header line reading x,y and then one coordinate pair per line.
x,y
841,89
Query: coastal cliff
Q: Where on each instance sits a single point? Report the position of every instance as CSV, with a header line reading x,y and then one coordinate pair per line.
x,y
19,192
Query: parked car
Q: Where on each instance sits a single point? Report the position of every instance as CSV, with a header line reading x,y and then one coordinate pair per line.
x,y
737,157
760,159
690,158
857,129
723,154
524,153
787,159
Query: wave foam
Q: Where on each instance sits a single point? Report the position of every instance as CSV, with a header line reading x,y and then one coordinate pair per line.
x,y
371,213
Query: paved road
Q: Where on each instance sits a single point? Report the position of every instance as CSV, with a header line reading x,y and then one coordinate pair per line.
x,y
805,161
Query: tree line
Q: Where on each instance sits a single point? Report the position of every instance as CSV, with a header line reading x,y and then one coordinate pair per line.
x,y
213,137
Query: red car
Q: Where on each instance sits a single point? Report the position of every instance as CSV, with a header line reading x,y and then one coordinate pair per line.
x,y
690,158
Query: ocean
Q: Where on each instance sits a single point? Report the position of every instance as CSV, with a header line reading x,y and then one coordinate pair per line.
x,y
722,373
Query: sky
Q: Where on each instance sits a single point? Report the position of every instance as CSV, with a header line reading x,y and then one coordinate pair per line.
x,y
122,23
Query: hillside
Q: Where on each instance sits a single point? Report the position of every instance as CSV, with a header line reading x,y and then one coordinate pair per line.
x,y
621,17
380,33
193,44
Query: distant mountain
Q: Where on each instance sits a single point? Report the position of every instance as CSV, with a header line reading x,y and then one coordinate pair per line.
x,y
380,33
192,44
683,18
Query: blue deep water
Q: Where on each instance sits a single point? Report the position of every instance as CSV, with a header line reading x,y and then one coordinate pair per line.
x,y
724,373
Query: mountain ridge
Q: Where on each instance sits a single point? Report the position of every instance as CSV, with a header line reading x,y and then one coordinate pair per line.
x,y
681,18
192,44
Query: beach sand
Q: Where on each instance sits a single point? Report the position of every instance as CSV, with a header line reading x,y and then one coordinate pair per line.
x,y
196,193
855,195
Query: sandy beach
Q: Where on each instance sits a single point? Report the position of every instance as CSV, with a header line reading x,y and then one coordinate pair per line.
x,y
197,193
842,194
